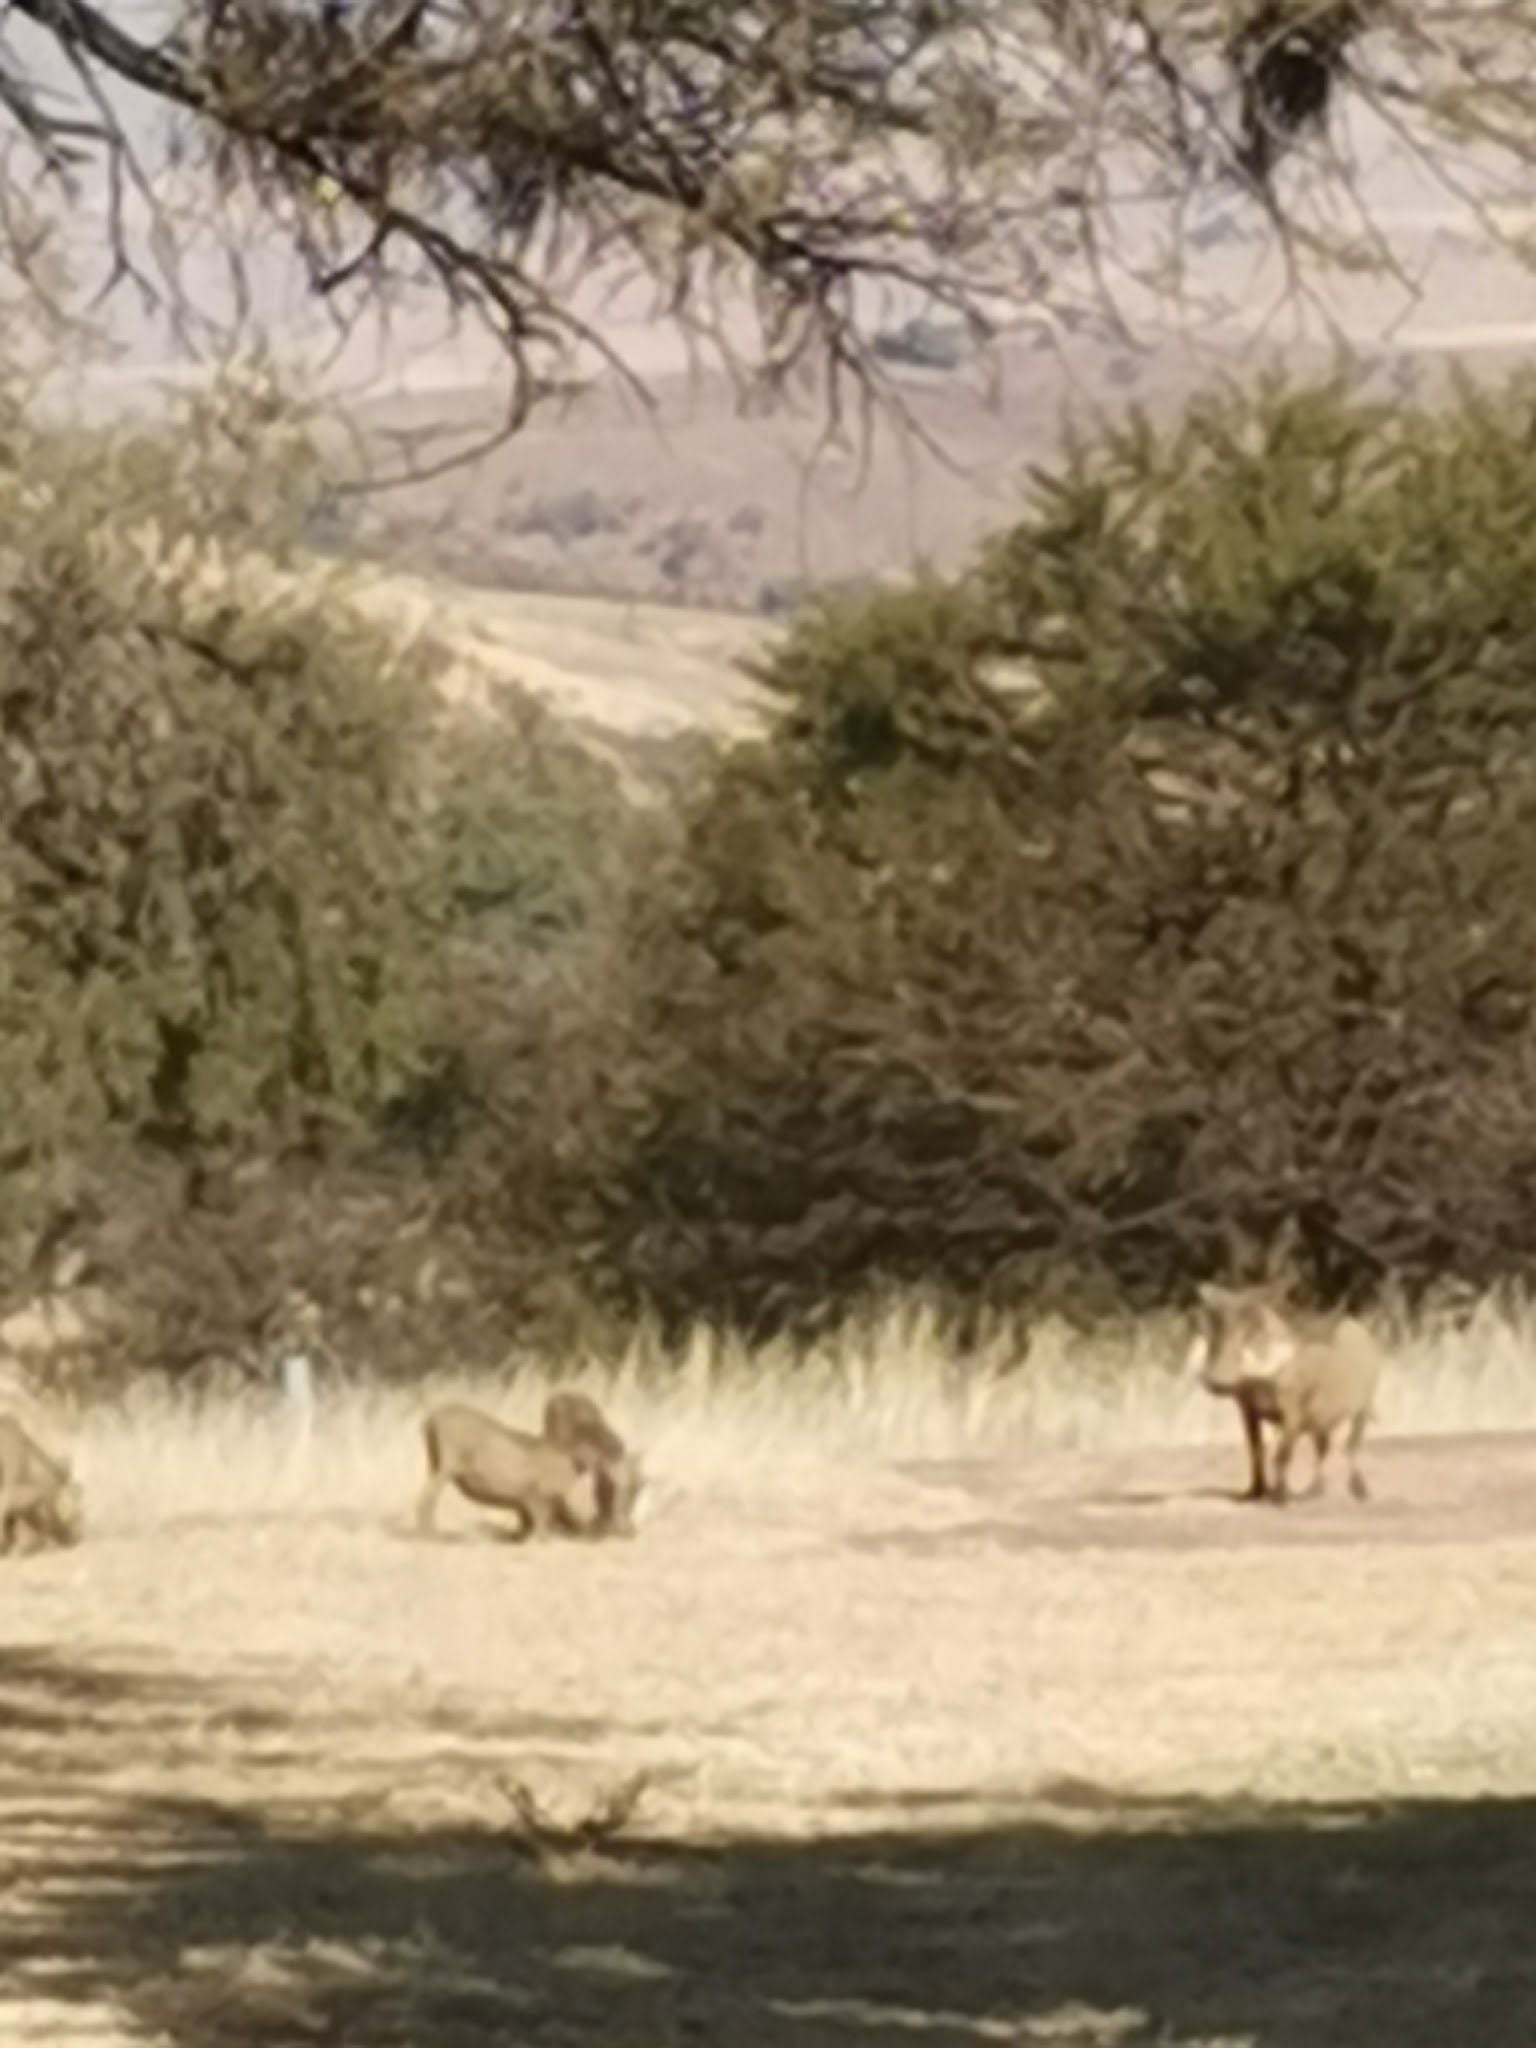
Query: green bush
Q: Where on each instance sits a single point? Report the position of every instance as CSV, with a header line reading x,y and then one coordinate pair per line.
x,y
212,903
528,830
1172,870
270,919
220,924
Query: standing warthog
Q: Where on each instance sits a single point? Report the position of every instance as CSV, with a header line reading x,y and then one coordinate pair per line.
x,y
1305,1374
40,1499
498,1467
576,1423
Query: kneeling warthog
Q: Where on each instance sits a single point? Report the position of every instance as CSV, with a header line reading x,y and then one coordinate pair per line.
x,y
40,1499
1305,1374
579,1427
498,1467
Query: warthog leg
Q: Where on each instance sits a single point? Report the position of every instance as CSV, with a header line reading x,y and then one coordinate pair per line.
x,y
1253,1430
1357,1486
1279,1491
524,1522
29,1527
1321,1440
426,1505
545,1515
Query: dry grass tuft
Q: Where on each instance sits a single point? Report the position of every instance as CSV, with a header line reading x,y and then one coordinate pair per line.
x,y
723,1418
936,1729
606,1816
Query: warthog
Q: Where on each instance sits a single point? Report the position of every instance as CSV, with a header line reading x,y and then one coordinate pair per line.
x,y
40,1499
1306,1374
498,1467
576,1423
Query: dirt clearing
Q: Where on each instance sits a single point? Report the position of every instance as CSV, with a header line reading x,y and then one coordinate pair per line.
x,y
964,1748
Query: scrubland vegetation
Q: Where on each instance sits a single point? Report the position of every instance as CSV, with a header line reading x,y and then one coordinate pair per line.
x,y
856,1124
855,1118
1074,923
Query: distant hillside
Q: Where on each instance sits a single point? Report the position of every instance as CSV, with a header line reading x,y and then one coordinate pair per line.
x,y
620,567
695,504
640,685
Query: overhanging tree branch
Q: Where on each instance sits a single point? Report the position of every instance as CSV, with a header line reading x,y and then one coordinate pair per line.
x,y
779,157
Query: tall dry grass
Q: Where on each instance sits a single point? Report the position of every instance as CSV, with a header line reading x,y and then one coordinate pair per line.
x,y
722,1417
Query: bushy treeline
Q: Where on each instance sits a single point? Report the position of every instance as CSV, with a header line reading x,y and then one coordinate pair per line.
x,y
1170,873
1167,876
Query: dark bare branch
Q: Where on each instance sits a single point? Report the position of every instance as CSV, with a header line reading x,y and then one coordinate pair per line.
x,y
768,164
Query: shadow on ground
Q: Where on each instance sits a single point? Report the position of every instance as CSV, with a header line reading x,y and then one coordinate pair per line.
x,y
1084,1919
1450,1489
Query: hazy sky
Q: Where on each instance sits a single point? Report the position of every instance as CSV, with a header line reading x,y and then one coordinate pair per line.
x,y
1464,292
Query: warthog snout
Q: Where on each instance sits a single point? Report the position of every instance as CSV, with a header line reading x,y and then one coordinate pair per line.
x,y
1243,1336
575,1423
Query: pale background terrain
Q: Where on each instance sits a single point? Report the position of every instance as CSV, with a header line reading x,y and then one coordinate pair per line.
x,y
694,502
971,1710
974,1710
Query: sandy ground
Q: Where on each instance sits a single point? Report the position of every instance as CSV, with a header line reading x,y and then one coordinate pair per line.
x,y
630,680
1037,1748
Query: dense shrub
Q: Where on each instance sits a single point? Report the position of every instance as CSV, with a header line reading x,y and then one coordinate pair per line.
x,y
1173,869
266,914
213,895
529,833
1168,874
